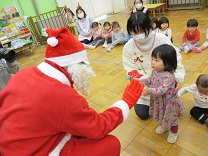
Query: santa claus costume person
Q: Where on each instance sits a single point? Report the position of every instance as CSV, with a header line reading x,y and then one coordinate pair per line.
x,y
42,114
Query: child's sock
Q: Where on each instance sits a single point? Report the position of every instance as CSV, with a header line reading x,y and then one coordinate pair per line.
x,y
174,129
105,44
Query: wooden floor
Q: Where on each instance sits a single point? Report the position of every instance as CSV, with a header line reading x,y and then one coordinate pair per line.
x,y
138,137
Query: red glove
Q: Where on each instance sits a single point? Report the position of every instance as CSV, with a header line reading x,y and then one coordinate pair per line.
x,y
132,92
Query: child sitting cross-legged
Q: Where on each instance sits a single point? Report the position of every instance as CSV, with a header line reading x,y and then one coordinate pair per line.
x,y
191,36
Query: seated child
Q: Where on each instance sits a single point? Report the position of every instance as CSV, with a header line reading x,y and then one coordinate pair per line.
x,y
163,25
154,24
69,15
118,36
200,93
191,36
97,36
107,33
203,46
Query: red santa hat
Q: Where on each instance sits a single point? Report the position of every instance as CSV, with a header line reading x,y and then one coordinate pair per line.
x,y
63,48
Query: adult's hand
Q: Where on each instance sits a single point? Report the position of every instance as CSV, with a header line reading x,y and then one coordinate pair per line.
x,y
132,92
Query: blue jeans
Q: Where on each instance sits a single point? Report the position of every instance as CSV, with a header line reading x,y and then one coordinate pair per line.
x,y
190,47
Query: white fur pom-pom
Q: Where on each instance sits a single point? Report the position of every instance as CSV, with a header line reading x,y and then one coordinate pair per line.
x,y
52,41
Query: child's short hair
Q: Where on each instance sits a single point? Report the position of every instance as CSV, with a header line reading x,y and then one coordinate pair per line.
x,y
202,81
192,23
106,23
139,21
95,24
155,20
115,23
167,54
163,20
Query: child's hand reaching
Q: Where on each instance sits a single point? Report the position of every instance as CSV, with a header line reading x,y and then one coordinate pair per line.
x,y
145,91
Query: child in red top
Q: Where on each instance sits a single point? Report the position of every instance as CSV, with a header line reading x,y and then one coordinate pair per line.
x,y
191,36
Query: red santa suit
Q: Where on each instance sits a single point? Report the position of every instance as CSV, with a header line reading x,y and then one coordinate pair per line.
x,y
42,114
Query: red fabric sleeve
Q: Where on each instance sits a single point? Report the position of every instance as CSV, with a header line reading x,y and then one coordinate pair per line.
x,y
83,121
197,36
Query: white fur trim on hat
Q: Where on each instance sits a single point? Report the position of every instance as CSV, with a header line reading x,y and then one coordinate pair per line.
x,y
124,108
67,60
52,41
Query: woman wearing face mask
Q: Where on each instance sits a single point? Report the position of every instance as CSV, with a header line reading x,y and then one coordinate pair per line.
x,y
84,27
137,55
138,4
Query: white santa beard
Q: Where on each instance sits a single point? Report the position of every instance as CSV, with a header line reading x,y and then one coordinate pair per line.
x,y
81,74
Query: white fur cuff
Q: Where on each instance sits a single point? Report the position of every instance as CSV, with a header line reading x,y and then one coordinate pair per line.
x,y
124,107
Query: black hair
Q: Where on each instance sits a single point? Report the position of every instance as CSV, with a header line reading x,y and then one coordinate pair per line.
x,y
167,54
82,11
106,23
67,9
137,21
94,24
163,20
154,20
192,23
115,23
202,81
140,1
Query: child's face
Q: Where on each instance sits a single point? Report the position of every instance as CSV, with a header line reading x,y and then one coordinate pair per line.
x,y
116,28
154,26
164,26
202,90
157,64
107,27
95,28
191,29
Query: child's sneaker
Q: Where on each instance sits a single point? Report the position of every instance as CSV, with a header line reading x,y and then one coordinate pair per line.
x,y
86,46
105,45
172,137
186,49
91,47
197,49
108,49
159,130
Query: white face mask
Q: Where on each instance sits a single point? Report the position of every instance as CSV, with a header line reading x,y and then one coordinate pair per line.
x,y
140,37
138,6
81,15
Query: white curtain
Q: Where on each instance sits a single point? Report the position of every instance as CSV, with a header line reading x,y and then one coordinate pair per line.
x,y
119,5
95,8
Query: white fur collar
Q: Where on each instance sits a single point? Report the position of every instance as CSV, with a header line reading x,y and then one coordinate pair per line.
x,y
54,73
